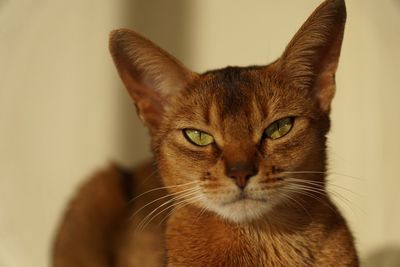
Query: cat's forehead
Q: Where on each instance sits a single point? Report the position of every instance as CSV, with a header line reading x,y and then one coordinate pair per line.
x,y
233,81
235,91
237,97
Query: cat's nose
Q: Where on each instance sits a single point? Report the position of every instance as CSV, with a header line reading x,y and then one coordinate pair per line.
x,y
241,173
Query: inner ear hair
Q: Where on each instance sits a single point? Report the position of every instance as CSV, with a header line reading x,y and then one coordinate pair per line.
x,y
311,58
149,73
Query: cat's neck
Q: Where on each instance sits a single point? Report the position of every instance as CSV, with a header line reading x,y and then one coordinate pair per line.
x,y
192,234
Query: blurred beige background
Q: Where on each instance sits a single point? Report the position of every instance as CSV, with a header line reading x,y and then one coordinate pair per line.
x,y
64,112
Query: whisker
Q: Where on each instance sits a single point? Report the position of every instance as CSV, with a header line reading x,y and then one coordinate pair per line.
x,y
168,214
319,188
317,184
329,183
202,210
296,202
321,184
161,188
287,220
349,203
174,207
146,221
323,172
160,198
307,193
148,217
153,172
318,191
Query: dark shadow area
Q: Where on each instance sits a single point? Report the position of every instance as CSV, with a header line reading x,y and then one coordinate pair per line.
x,y
167,24
385,257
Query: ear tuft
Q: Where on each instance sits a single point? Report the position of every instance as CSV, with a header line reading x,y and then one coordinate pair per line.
x,y
150,74
311,58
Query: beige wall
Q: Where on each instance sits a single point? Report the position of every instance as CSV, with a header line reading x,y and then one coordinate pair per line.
x,y
61,115
63,111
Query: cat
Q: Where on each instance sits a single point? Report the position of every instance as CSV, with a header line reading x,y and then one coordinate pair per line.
x,y
239,160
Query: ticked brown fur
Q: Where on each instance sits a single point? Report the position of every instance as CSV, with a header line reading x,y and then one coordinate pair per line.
x,y
245,199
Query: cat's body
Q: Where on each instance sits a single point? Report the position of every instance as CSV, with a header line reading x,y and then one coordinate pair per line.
x,y
241,152
97,229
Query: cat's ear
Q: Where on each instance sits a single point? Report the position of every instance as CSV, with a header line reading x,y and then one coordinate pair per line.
x,y
311,58
150,74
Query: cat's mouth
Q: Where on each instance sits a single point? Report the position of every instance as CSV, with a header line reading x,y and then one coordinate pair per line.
x,y
245,203
243,198
242,208
239,205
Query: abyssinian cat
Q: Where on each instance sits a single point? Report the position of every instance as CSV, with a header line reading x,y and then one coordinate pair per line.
x,y
240,163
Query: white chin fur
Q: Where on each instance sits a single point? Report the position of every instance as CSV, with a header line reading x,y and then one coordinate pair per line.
x,y
240,211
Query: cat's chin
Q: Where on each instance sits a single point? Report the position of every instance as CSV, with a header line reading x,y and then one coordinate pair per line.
x,y
242,210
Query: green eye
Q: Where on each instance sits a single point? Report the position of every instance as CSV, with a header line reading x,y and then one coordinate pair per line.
x,y
198,138
279,128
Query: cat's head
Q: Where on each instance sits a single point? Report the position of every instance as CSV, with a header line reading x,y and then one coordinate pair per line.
x,y
239,140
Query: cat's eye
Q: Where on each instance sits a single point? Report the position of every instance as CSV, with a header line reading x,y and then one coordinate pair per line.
x,y
279,128
198,137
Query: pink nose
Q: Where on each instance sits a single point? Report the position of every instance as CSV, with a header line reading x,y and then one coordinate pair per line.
x,y
241,173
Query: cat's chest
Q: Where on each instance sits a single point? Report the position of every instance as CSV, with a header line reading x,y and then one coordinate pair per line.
x,y
198,245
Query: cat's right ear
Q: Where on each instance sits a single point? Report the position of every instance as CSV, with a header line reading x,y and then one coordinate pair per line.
x,y
150,74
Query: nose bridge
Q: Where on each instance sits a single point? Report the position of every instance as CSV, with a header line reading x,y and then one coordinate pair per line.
x,y
239,153
242,153
241,162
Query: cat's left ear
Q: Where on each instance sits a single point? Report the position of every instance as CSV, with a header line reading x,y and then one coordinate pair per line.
x,y
150,74
311,58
